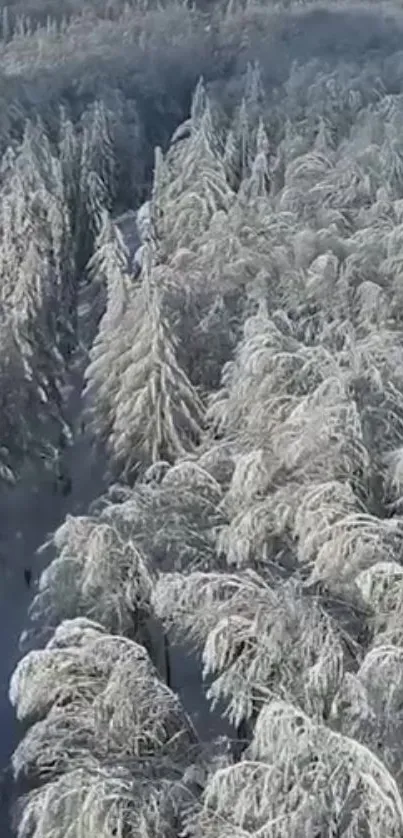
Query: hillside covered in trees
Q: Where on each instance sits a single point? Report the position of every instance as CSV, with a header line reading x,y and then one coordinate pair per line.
x,y
201,258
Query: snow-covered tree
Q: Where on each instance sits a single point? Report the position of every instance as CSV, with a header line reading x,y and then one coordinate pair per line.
x,y
300,779
109,743
144,407
97,573
256,642
91,693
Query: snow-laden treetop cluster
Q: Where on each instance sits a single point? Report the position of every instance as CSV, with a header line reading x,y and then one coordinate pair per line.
x,y
239,327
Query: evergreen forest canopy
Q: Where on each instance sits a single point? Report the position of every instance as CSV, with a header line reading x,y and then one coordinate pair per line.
x,y
201,216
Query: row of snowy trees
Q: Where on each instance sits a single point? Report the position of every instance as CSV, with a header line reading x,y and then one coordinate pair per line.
x,y
246,382
51,203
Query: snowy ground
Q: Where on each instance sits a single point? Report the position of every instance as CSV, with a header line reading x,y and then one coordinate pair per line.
x,y
27,517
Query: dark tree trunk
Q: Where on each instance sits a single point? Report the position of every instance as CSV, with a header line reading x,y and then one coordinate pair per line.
x,y
167,661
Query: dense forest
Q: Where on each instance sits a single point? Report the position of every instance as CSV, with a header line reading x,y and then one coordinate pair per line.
x,y
201,258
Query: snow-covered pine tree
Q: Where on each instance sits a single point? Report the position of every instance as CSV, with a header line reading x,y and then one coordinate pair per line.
x,y
36,289
151,410
102,725
299,779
